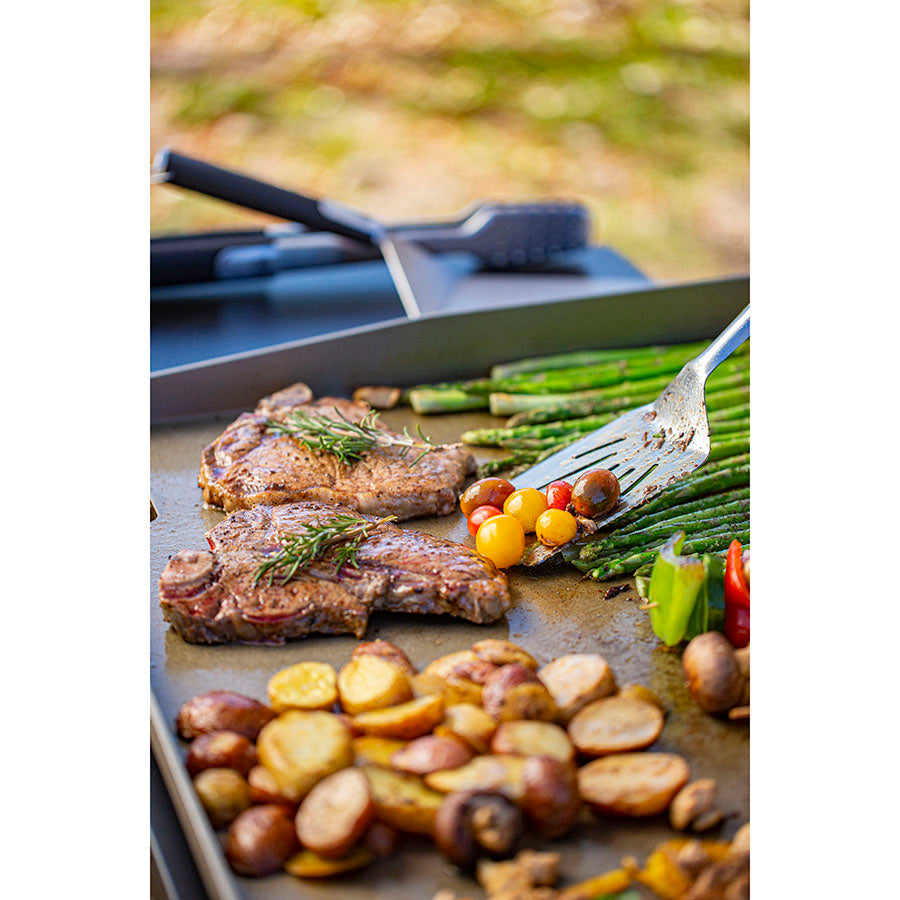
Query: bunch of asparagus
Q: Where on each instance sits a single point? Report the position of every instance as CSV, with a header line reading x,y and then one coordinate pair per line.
x,y
554,400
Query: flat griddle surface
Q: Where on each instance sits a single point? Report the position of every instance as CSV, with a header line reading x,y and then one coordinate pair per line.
x,y
554,612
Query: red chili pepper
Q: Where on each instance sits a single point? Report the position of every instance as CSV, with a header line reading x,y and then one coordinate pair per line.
x,y
737,597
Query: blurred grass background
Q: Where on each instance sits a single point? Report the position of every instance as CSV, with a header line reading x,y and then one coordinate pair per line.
x,y
409,109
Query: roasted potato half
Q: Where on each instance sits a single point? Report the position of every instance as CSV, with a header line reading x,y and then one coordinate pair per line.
x,y
306,685
577,679
470,723
633,784
406,720
309,864
260,839
431,753
615,725
500,653
222,711
335,814
483,773
529,738
372,750
301,748
372,682
403,801
224,793
386,650
221,750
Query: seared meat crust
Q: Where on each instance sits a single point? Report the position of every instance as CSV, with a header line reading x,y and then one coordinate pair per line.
x,y
209,597
246,466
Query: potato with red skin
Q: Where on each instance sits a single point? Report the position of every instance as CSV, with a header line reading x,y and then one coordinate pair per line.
x,y
514,692
264,789
430,754
223,711
221,750
260,840
501,653
224,794
551,799
335,814
386,650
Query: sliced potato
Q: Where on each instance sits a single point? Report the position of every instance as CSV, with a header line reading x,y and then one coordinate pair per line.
x,y
615,725
372,750
577,679
469,722
633,784
407,720
372,682
335,814
426,684
386,650
301,748
530,738
524,701
403,801
483,773
306,685
455,687
431,753
309,864
500,653
444,665
640,692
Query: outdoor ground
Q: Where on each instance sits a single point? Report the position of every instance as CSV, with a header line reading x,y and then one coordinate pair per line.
x,y
408,109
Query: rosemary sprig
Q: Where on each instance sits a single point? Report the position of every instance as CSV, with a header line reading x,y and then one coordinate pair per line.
x,y
347,440
298,550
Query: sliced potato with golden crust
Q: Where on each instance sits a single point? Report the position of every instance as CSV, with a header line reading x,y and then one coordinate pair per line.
x,y
403,801
577,679
633,784
426,684
306,685
372,750
372,682
301,748
523,701
386,650
335,814
483,773
406,720
501,652
615,725
640,692
525,737
444,665
309,864
431,753
470,723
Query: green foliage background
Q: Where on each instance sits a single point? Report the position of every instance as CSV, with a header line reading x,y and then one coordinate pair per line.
x,y
409,109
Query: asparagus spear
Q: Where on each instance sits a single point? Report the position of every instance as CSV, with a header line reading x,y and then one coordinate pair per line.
x,y
732,412
629,563
738,497
705,526
426,400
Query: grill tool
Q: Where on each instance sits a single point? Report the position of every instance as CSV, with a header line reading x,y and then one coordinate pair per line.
x,y
501,236
649,447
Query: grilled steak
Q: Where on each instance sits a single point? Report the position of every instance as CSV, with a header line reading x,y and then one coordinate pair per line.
x,y
209,595
246,466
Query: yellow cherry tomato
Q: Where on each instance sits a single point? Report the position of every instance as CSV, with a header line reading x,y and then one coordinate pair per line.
x,y
555,527
525,505
502,540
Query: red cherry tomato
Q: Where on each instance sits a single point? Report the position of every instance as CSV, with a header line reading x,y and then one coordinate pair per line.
x,y
479,515
558,494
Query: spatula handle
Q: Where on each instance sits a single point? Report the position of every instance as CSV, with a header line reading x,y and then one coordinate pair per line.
x,y
242,190
724,345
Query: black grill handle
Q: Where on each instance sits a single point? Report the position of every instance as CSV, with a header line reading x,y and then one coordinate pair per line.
x,y
242,190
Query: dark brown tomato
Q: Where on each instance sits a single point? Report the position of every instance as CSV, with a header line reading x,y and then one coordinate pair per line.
x,y
595,493
486,492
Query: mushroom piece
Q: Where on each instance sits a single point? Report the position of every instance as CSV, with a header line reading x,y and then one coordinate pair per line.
x,y
713,674
470,824
694,806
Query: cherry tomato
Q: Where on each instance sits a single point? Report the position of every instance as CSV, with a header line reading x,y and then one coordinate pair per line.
x,y
502,540
479,514
487,492
558,494
555,527
595,493
525,505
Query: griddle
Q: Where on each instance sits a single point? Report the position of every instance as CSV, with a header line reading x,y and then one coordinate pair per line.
x,y
554,611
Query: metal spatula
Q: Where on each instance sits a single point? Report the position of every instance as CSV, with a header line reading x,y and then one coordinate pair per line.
x,y
653,445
